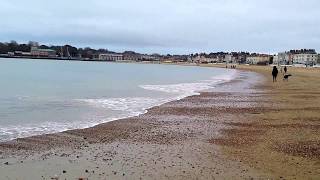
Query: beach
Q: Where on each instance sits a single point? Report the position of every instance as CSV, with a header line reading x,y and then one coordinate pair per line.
x,y
284,140
246,128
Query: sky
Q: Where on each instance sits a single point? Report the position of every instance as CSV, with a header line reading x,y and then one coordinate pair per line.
x,y
165,26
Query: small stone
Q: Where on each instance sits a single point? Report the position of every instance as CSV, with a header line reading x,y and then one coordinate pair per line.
x,y
56,177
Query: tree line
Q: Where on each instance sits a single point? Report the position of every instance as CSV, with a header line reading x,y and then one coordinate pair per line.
x,y
65,50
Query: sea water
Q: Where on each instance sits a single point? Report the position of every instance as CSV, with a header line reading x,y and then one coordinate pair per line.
x,y
46,96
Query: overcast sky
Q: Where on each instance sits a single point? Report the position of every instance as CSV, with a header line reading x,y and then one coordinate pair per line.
x,y
165,26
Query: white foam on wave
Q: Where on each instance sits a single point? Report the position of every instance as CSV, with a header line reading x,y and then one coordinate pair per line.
x,y
134,106
128,107
26,130
188,89
19,131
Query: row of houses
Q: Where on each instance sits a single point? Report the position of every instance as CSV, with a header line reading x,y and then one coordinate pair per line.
x,y
307,57
234,58
262,59
35,52
126,56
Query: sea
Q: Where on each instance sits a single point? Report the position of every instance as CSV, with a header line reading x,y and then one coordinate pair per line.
x,y
48,96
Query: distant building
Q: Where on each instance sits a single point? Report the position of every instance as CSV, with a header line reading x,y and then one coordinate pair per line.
x,y
275,59
202,59
131,56
10,54
146,57
234,58
220,58
21,53
284,58
258,59
224,57
175,58
110,57
216,59
318,59
228,58
305,58
302,56
35,51
240,57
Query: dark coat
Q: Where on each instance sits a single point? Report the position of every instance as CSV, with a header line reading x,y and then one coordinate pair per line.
x,y
275,72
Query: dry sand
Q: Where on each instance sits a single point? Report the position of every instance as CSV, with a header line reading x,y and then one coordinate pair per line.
x,y
285,139
247,128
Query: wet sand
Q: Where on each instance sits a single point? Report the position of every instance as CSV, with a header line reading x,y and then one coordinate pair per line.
x,y
222,134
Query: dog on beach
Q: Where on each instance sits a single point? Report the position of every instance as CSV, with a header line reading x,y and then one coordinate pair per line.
x,y
286,77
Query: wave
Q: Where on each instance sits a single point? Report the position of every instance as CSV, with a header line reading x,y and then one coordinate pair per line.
x,y
26,130
138,105
188,89
134,106
11,132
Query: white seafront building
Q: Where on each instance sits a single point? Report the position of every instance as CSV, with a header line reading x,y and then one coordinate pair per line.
x,y
306,59
303,56
228,58
110,57
202,59
275,59
37,52
284,58
217,58
258,59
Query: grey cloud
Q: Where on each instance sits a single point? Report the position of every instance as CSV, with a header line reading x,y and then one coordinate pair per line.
x,y
180,26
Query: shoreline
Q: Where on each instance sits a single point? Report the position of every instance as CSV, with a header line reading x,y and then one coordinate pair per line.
x,y
189,122
129,116
231,75
224,135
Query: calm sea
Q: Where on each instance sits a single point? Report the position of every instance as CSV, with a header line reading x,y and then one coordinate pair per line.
x,y
45,96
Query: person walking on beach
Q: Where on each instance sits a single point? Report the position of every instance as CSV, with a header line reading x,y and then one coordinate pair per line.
x,y
275,73
285,70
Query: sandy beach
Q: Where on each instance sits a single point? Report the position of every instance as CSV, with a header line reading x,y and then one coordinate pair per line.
x,y
243,129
